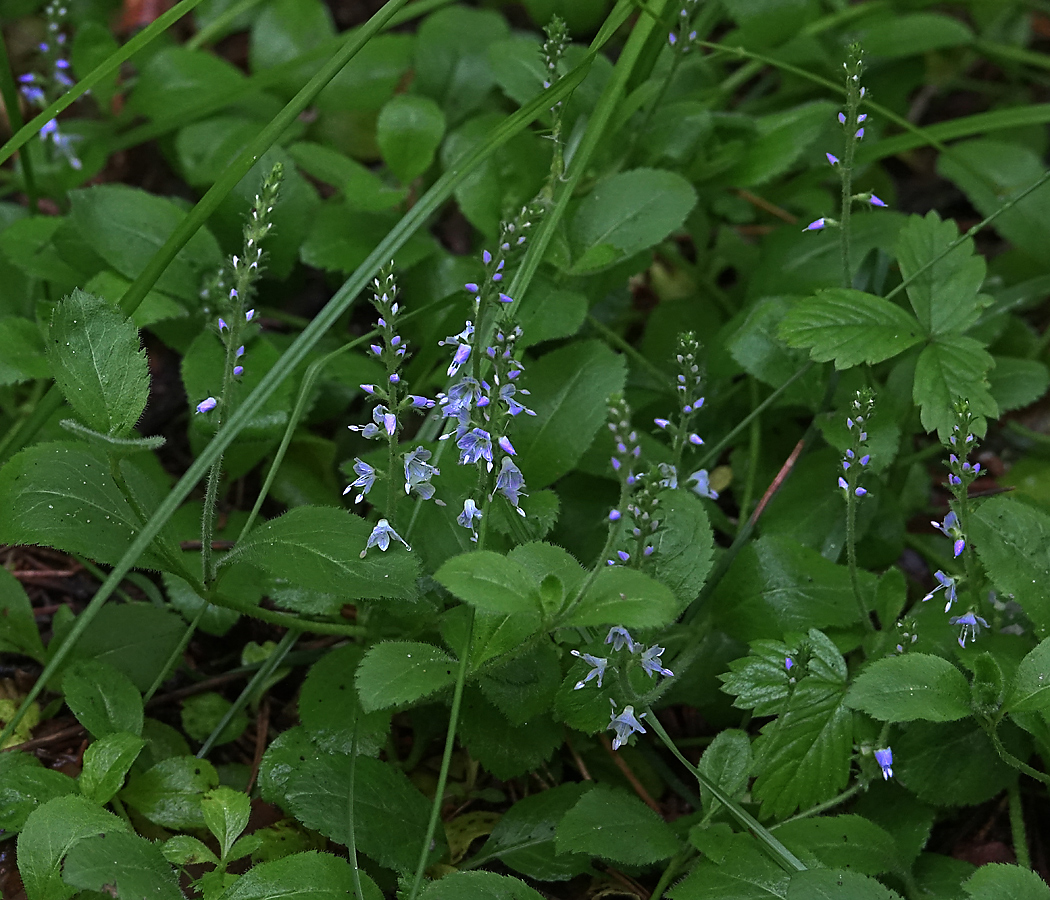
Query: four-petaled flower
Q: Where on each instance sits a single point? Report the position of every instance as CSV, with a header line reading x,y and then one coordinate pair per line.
x,y
651,662
885,760
418,473
625,724
467,517
510,482
948,585
476,445
620,637
971,626
598,671
951,529
366,477
380,537
702,485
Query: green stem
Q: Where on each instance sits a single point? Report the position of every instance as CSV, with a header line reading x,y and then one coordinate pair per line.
x,y
777,850
659,377
1007,757
446,757
351,843
176,654
962,503
753,455
851,556
9,93
217,27
827,804
256,684
1017,828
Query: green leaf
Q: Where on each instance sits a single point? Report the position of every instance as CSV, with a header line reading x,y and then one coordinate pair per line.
x,y
849,841
780,139
479,886
136,638
900,35
21,351
396,673
125,862
570,387
685,544
732,866
104,699
183,850
952,368
850,327
49,833
549,313
408,132
990,171
320,548
614,825
170,793
803,756
776,585
390,814
909,687
507,749
726,762
627,597
451,58
1013,542
362,188
287,29
202,713
62,495
25,785
176,80
1016,383
524,837
760,681
330,708
97,363
226,813
836,884
127,226
19,633
627,213
1031,687
944,296
997,881
302,876
524,686
952,763
106,762
491,582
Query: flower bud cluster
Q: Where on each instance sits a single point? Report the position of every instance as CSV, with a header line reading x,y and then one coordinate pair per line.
x,y
853,124
234,320
392,398
857,457
683,36
553,50
41,89
961,474
639,516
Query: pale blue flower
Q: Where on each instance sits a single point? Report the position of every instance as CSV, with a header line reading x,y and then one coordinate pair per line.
x,y
511,483
670,476
598,671
467,517
380,537
366,477
651,662
476,445
207,405
971,627
620,637
885,760
702,485
951,529
418,473
625,724
946,584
